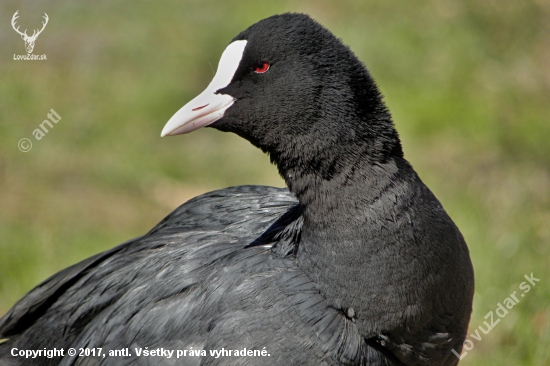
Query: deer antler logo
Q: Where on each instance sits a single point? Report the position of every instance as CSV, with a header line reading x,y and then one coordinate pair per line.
x,y
29,40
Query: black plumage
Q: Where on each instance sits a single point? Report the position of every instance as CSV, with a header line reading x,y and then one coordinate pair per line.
x,y
358,264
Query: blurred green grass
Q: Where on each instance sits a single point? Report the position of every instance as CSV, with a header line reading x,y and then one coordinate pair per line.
x,y
468,84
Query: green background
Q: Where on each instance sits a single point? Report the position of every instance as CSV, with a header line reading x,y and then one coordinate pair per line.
x,y
468,83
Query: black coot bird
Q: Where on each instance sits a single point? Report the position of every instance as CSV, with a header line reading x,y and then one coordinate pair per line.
x,y
356,263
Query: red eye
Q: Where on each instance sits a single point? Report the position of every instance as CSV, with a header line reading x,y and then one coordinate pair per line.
x,y
261,67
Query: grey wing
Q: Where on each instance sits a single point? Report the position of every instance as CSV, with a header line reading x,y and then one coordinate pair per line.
x,y
191,285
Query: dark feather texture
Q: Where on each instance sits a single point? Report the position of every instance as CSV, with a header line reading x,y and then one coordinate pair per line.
x,y
358,264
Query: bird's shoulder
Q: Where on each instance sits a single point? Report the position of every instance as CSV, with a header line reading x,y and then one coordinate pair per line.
x,y
235,208
206,277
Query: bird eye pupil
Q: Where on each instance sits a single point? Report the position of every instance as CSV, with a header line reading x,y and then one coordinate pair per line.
x,y
261,67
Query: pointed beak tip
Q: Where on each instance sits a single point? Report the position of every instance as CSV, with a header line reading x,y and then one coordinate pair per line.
x,y
209,106
164,133
172,129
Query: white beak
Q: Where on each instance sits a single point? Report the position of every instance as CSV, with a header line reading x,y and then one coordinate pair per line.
x,y
208,107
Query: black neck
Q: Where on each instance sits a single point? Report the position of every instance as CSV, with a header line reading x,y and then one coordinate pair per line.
x,y
339,199
321,170
341,182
